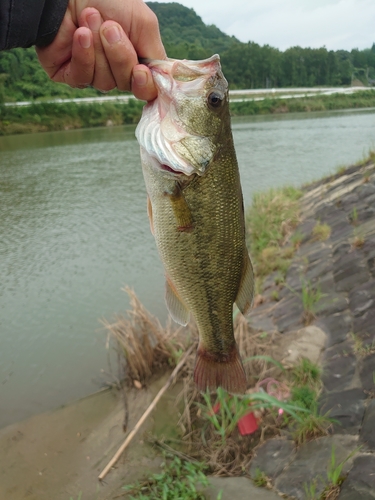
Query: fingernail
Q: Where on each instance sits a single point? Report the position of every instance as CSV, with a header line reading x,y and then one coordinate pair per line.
x,y
94,22
112,34
84,40
140,78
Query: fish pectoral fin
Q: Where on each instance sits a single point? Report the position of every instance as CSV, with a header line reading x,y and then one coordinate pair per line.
x,y
177,309
181,210
149,213
213,370
245,294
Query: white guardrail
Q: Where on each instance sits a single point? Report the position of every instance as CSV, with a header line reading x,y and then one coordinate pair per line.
x,y
247,94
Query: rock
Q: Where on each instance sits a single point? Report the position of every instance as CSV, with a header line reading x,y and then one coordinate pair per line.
x,y
367,435
337,326
311,462
305,229
307,342
364,326
330,304
237,488
360,483
367,373
349,271
368,250
326,283
318,269
339,367
347,407
272,457
261,317
362,298
288,313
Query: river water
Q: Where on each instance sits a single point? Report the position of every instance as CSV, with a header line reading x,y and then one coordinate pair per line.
x,y
74,231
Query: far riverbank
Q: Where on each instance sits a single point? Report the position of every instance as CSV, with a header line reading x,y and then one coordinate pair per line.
x,y
47,116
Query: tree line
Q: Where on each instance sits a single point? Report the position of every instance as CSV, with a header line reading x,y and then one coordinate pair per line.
x,y
185,36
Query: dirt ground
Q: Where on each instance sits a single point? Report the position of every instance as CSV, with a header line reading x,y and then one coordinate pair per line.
x,y
58,455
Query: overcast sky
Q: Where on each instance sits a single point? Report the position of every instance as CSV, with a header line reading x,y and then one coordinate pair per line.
x,y
336,24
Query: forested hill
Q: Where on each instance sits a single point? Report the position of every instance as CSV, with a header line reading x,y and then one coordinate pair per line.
x,y
245,65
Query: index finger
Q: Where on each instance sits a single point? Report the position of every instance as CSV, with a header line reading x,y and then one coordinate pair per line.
x,y
145,36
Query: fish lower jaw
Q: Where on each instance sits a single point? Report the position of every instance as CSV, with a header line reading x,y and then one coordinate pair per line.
x,y
167,168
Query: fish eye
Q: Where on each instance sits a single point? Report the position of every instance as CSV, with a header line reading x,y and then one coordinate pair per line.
x,y
215,100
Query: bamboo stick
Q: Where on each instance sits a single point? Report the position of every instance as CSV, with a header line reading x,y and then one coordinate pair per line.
x,y
145,415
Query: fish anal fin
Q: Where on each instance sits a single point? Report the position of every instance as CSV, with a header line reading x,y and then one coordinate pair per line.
x,y
177,309
149,213
214,370
245,293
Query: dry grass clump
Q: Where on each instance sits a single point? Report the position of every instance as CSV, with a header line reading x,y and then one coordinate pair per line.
x,y
208,423
146,345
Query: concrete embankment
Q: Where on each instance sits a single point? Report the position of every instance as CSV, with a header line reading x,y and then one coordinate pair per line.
x,y
341,338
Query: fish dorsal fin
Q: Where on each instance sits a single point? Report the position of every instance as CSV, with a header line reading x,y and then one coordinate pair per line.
x,y
245,294
176,308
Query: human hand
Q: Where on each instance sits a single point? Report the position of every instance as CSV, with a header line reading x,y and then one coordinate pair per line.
x,y
91,49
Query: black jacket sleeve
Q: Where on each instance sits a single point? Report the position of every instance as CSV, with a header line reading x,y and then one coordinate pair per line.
x,y
30,22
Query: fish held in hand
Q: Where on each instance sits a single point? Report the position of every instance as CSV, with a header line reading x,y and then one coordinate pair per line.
x,y
196,211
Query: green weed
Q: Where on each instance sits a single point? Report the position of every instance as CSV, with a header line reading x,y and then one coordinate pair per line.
x,y
310,297
311,426
179,479
310,490
260,479
296,238
227,410
307,373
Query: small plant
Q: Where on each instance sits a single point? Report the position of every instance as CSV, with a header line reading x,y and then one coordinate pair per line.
x,y
354,216
228,409
296,239
178,479
360,348
321,232
310,490
310,297
260,479
307,373
275,295
341,170
311,426
335,475
359,240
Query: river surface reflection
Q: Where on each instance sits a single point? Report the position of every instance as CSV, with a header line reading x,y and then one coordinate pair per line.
x,y
74,231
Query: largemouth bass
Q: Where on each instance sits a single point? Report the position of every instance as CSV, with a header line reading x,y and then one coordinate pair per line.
x,y
196,210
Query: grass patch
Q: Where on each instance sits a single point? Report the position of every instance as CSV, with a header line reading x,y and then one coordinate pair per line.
x,y
321,232
44,116
260,479
306,385
178,479
271,218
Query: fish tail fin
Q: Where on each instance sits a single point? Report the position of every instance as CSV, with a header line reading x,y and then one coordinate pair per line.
x,y
225,370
